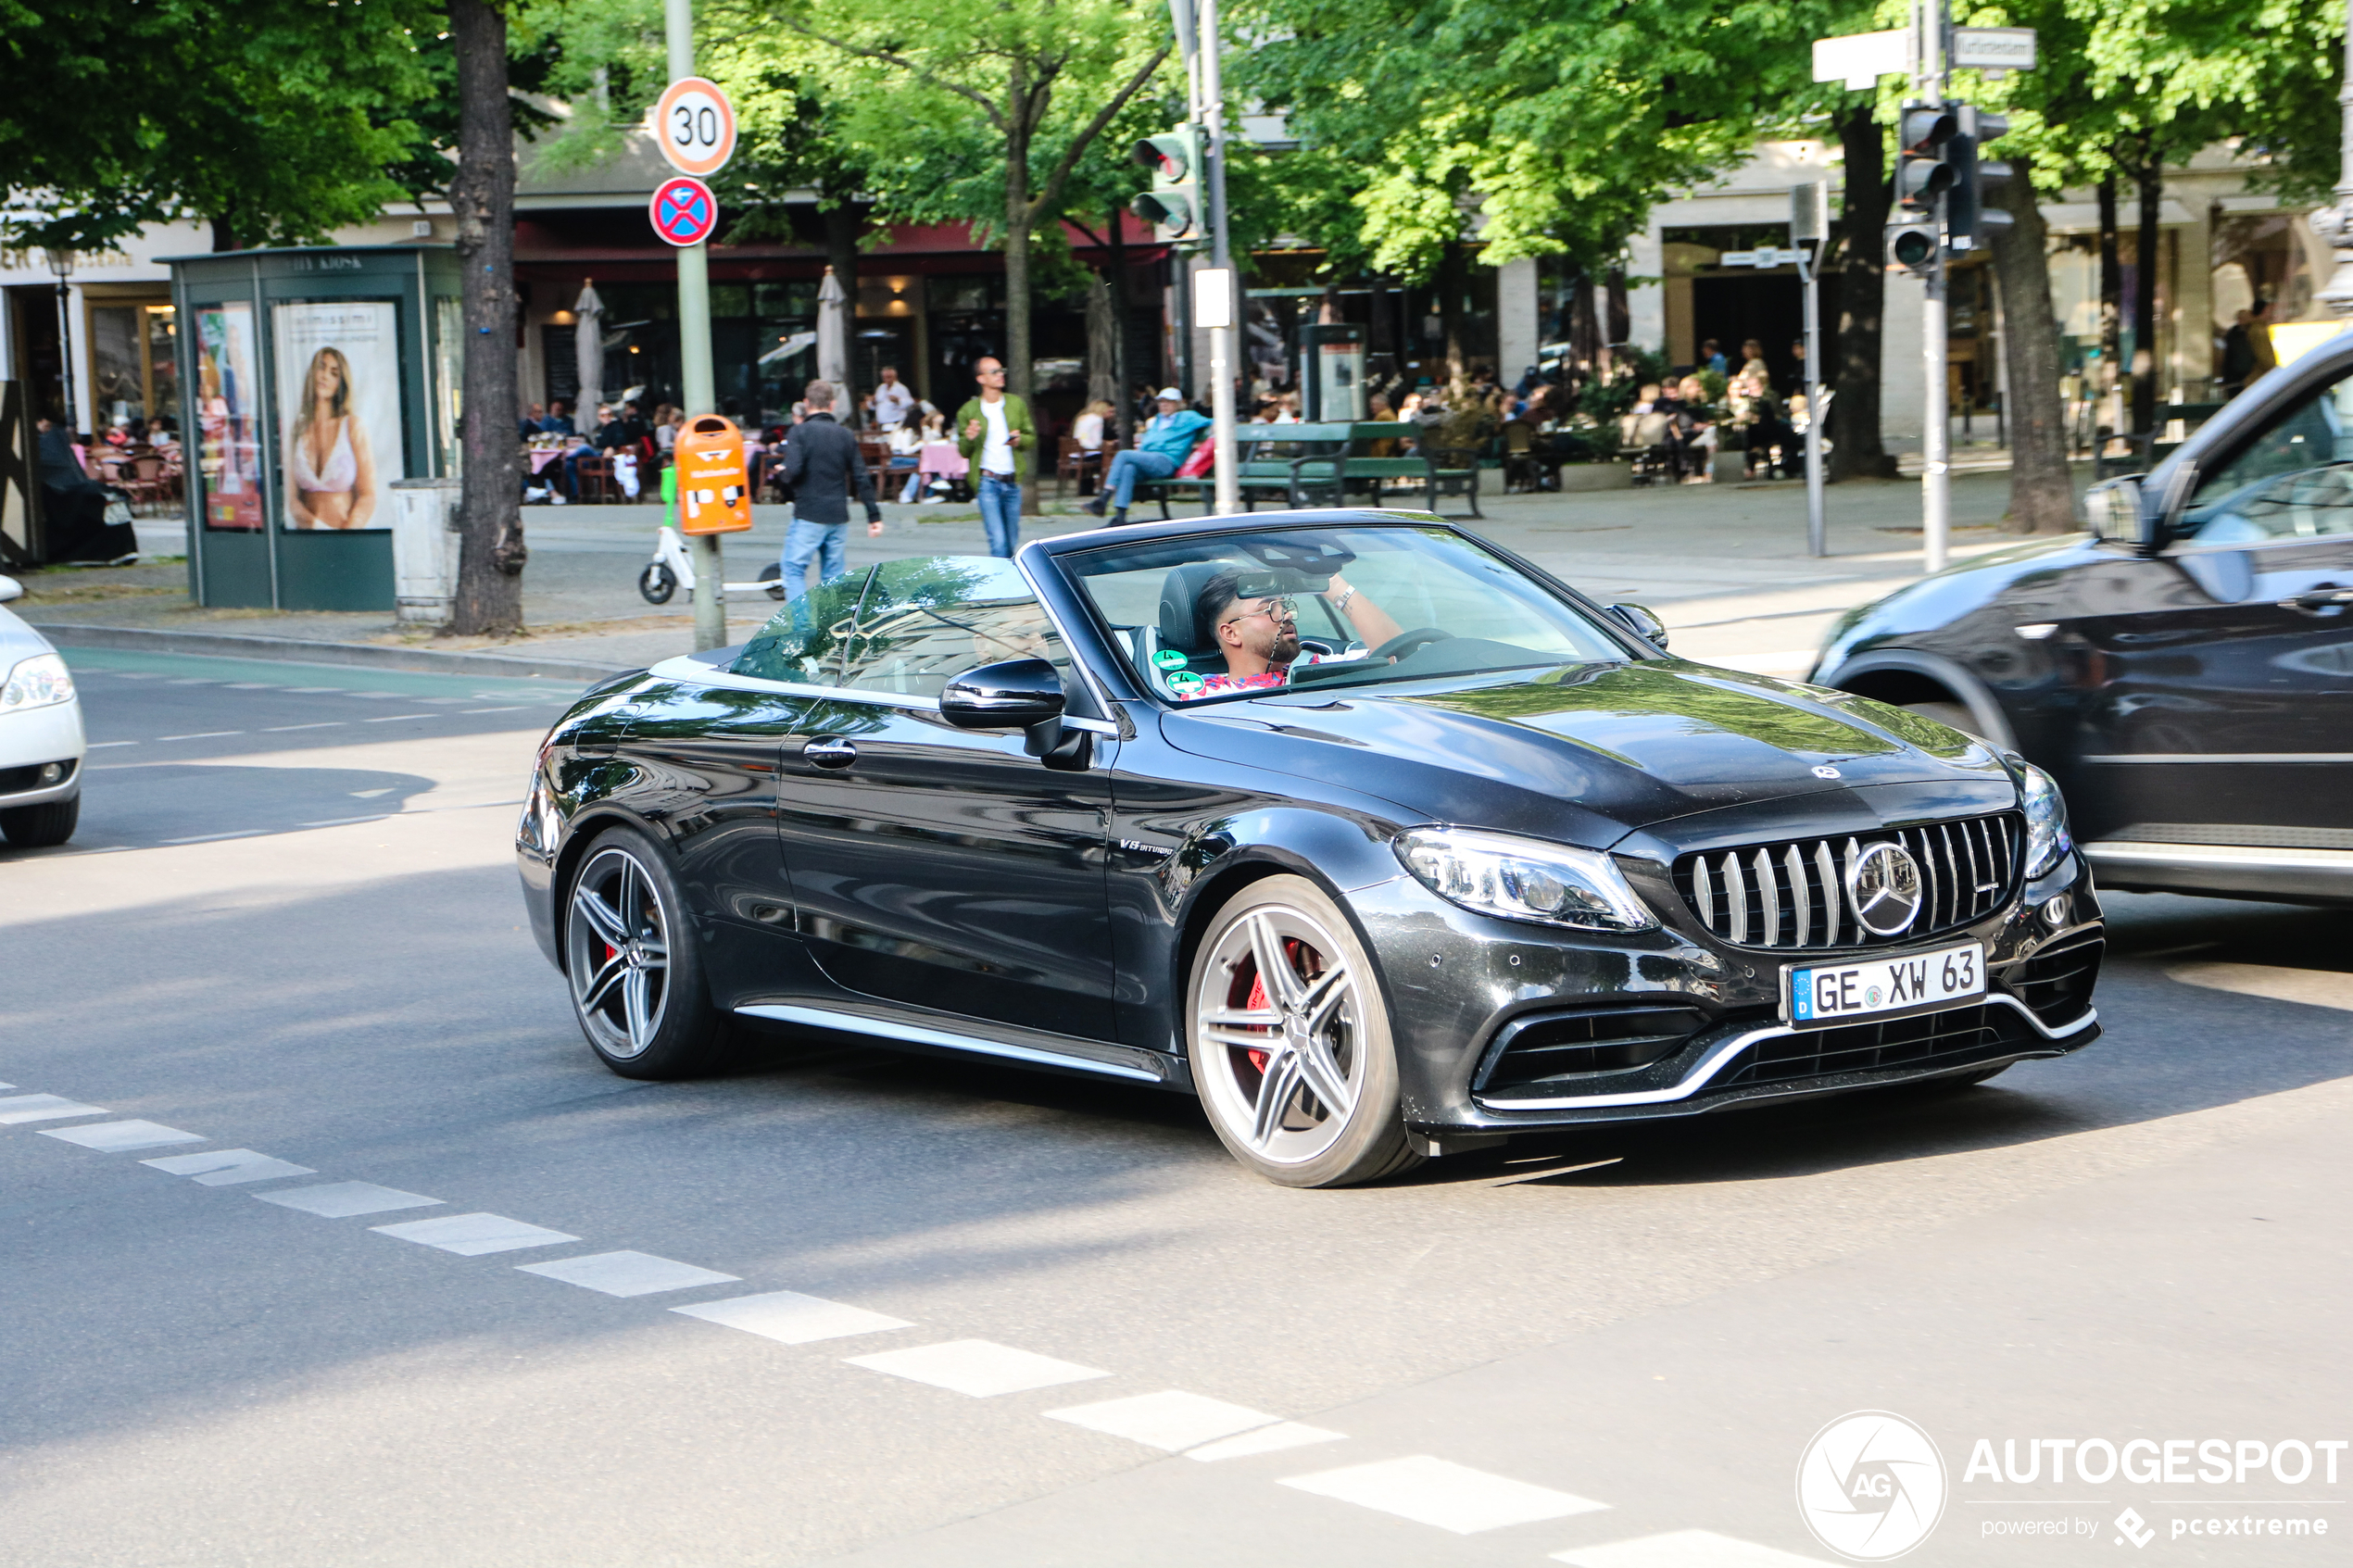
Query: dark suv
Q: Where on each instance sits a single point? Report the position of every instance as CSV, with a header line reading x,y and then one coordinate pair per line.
x,y
2186,672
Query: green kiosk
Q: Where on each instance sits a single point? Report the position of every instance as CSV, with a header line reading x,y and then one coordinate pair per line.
x,y
318,380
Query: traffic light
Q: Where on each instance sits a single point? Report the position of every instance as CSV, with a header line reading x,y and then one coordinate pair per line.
x,y
1911,245
1922,171
1971,219
1173,205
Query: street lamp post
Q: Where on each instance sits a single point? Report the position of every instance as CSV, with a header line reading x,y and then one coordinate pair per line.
x,y
61,263
698,386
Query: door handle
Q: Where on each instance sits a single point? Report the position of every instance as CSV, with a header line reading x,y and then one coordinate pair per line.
x,y
834,753
2319,600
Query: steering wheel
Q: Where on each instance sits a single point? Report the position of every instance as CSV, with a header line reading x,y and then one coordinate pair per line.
x,y
1411,642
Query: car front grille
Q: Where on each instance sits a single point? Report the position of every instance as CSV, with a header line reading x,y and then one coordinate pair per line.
x,y
2057,983
1793,894
1953,1038
1541,1051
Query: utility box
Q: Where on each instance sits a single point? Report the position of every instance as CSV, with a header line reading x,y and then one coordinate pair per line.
x,y
318,380
1331,360
424,548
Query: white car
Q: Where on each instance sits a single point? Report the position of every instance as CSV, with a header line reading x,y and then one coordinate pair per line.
x,y
40,740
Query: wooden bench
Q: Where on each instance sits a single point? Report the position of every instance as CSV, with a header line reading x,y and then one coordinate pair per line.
x,y
1308,465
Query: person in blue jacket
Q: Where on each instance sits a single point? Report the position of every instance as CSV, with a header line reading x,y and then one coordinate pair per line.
x,y
1166,442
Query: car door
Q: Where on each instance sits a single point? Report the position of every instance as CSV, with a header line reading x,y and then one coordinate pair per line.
x,y
2221,681
941,868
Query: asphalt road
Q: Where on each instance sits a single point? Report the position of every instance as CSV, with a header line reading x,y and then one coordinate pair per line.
x,y
289,926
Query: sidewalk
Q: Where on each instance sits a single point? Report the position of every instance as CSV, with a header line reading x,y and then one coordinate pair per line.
x,y
1724,566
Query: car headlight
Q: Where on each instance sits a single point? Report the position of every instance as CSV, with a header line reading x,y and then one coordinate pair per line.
x,y
1522,878
38,681
2046,836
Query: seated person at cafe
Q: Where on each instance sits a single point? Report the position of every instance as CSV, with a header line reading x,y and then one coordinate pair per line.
x,y
1161,447
1259,637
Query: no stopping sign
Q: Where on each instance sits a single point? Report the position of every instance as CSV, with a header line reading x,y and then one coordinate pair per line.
x,y
684,210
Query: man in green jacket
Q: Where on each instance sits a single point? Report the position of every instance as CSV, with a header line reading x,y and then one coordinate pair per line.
x,y
996,435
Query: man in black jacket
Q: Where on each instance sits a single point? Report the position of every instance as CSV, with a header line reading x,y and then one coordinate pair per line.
x,y
821,464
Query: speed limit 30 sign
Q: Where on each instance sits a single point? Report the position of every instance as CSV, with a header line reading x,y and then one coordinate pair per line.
x,y
696,126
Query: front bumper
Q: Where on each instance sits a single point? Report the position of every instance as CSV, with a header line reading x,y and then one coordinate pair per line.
x,y
1706,1031
33,739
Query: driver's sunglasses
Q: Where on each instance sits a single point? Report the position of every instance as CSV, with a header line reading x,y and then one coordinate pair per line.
x,y
1282,608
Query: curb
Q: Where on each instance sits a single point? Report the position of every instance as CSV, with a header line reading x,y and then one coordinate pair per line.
x,y
224,644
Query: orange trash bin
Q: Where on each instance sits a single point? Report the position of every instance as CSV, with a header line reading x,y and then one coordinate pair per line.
x,y
715,489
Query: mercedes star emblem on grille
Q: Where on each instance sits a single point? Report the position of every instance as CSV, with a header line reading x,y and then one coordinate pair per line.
x,y
1884,888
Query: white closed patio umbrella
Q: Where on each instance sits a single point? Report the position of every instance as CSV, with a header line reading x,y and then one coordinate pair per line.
x,y
588,355
832,343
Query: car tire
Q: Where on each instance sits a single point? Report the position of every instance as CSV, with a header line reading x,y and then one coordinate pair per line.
x,y
1953,714
40,827
1326,1039
638,987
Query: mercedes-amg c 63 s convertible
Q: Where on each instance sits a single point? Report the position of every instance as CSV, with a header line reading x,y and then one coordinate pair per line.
x,y
1378,838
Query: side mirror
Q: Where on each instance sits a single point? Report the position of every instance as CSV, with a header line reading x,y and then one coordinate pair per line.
x,y
2119,513
1649,627
1018,694
11,589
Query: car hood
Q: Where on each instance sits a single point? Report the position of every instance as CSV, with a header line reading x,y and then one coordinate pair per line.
x,y
18,641
1586,753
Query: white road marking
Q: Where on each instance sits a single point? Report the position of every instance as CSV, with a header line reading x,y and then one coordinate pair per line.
x,y
102,745
217,837
202,735
1171,1420
316,691
197,681
977,1367
339,1200
227,1167
516,710
346,821
379,697
327,724
7,1086
396,718
43,1107
371,794
1685,1548
1437,1491
1265,1441
252,686
628,1273
2313,987
791,1318
121,1137
471,1235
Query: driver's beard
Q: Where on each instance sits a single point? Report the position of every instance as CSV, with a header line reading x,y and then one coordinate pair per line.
x,y
1285,651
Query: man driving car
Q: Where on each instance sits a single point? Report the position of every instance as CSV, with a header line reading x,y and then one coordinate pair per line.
x,y
1258,636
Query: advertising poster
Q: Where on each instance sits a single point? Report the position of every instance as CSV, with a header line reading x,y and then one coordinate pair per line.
x,y
338,411
228,418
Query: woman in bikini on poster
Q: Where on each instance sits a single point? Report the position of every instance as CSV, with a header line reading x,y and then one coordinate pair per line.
x,y
331,473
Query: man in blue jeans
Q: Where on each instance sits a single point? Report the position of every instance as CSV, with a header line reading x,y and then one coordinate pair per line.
x,y
996,435
821,464
1166,440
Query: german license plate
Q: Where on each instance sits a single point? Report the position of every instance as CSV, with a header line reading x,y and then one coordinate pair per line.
x,y
1819,998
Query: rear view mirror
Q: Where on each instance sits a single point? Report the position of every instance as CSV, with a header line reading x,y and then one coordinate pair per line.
x,y
1648,627
2120,514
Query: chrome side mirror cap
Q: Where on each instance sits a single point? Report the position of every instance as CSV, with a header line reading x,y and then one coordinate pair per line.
x,y
1647,626
2120,513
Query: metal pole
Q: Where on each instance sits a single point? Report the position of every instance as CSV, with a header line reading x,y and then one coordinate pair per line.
x,y
2335,224
699,389
1221,391
1817,529
65,356
1936,494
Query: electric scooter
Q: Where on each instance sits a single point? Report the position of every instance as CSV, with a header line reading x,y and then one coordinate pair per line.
x,y
671,570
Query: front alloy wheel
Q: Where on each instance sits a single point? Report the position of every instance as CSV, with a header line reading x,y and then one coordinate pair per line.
x,y
1291,1042
636,986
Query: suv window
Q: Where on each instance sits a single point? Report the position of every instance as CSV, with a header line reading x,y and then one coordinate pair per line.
x,y
2294,481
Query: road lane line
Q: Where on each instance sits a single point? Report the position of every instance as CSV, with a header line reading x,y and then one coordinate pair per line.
x,y
203,734
791,1318
315,691
121,1137
322,724
43,1107
1171,1420
217,837
339,1200
227,1167
628,1273
102,745
396,718
1684,1549
1436,1491
471,1235
977,1367
515,709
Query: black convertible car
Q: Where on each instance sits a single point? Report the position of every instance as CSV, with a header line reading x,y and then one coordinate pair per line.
x,y
2186,672
1378,838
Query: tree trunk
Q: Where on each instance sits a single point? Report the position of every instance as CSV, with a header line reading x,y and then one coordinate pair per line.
x,y
491,552
1620,326
224,233
841,254
2150,177
1587,355
1856,451
2041,490
1018,218
1103,341
1450,315
2111,289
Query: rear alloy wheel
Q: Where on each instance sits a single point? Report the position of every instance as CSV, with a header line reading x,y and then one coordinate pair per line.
x,y
637,985
38,827
1291,1042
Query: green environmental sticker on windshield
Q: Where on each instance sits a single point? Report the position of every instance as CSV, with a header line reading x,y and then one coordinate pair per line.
x,y
1169,659
1188,681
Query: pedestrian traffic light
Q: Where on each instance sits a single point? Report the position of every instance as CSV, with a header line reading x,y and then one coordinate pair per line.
x,y
1173,205
1911,245
1922,171
1971,219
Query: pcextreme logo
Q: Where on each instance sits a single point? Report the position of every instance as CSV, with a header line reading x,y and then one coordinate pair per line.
x,y
1872,1486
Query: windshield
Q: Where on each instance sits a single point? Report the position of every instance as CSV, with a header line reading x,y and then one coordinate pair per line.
x,y
1234,614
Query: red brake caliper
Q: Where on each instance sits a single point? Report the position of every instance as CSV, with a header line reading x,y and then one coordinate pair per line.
x,y
1257,1000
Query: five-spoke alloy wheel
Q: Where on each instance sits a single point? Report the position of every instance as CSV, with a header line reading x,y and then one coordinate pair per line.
x,y
636,983
1291,1041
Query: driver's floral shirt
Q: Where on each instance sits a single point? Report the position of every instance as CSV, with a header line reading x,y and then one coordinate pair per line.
x,y
1266,680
